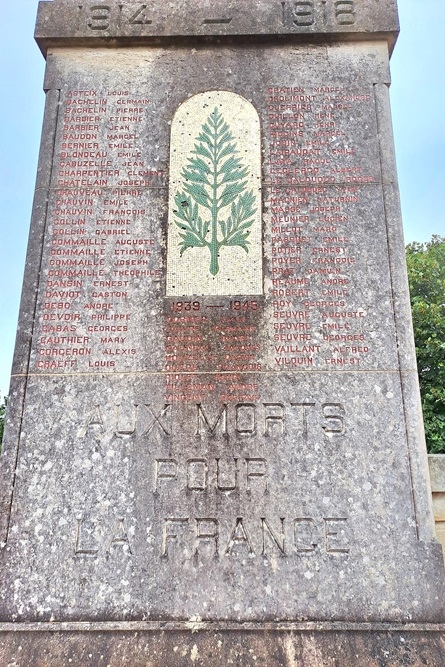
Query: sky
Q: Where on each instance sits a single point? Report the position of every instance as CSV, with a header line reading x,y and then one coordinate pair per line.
x,y
418,102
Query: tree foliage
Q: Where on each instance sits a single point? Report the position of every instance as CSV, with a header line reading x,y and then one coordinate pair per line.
x,y
426,274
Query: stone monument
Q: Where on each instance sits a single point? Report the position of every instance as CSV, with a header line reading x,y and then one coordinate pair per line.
x,y
215,453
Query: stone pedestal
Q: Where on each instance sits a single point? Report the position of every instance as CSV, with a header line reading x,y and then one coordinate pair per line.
x,y
215,452
437,474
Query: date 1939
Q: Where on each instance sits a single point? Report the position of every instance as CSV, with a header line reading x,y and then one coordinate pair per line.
x,y
237,305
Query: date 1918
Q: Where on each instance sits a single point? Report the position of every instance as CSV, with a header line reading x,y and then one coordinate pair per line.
x,y
305,13
296,14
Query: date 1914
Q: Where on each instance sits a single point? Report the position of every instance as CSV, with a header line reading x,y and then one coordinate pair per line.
x,y
294,15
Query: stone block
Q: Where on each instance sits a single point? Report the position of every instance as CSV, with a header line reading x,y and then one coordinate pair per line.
x,y
437,475
216,451
61,22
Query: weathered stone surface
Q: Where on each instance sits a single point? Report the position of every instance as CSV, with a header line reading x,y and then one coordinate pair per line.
x,y
152,513
64,22
437,475
215,409
437,472
288,645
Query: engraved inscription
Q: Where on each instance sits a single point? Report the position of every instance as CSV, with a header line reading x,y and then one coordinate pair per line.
x,y
93,539
216,21
99,17
333,530
239,536
165,469
304,535
213,537
207,530
318,13
242,536
171,532
140,17
313,301
223,474
295,14
84,545
243,420
335,422
269,532
345,12
204,425
303,12
159,420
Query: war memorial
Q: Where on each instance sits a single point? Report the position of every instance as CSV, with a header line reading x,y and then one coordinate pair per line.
x,y
215,451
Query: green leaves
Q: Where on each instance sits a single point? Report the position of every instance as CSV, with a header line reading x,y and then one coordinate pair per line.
x,y
232,170
214,179
426,274
193,230
230,193
235,231
199,194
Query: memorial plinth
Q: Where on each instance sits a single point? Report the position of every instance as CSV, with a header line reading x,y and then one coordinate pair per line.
x,y
215,452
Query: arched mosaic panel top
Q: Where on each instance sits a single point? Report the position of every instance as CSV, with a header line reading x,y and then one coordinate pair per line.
x,y
214,221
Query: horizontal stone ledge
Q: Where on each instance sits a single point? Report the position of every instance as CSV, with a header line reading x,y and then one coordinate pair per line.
x,y
249,645
61,22
286,371
221,626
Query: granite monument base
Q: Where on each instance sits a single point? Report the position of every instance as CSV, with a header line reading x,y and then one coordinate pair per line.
x,y
211,645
